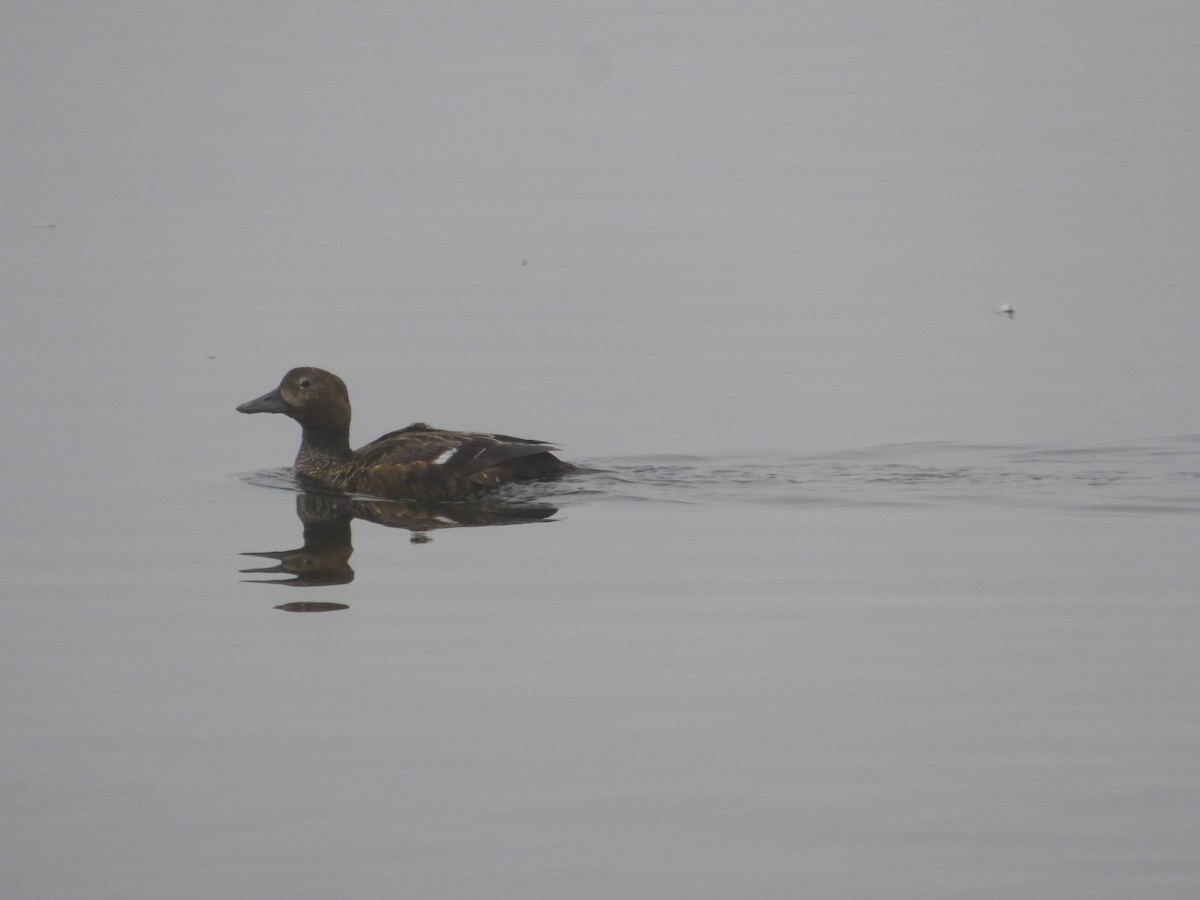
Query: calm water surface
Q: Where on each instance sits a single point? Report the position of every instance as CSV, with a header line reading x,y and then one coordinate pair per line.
x,y
907,671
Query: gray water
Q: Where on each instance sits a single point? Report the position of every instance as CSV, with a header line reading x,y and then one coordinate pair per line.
x,y
915,671
867,591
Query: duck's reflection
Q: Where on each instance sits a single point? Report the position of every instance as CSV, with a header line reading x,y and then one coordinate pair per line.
x,y
325,557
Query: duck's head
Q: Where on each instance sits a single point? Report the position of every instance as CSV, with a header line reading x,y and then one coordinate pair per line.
x,y
313,397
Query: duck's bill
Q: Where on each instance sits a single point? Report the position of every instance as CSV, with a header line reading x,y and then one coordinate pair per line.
x,y
267,403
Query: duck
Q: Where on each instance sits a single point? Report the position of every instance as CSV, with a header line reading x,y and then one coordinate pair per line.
x,y
417,462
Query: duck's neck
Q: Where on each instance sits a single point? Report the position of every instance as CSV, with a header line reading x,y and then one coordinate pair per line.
x,y
321,448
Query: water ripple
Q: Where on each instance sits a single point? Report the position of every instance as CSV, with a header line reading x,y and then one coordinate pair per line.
x,y
1147,477
1140,477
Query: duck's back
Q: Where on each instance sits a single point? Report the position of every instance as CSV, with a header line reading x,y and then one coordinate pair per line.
x,y
420,461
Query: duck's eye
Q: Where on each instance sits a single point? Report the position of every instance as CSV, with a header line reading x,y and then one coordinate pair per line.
x,y
306,384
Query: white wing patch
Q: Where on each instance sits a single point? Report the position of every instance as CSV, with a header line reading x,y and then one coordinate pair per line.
x,y
444,457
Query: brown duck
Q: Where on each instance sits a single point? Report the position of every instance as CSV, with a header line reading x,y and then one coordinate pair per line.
x,y
414,463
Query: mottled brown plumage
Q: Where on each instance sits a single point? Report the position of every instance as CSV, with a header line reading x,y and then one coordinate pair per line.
x,y
413,463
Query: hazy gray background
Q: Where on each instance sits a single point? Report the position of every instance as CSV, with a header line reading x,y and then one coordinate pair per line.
x,y
624,227
803,660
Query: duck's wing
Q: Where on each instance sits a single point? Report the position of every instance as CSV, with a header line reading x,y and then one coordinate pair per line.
x,y
419,461
458,452
445,434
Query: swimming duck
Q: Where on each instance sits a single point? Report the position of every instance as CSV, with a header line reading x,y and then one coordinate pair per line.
x,y
414,463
